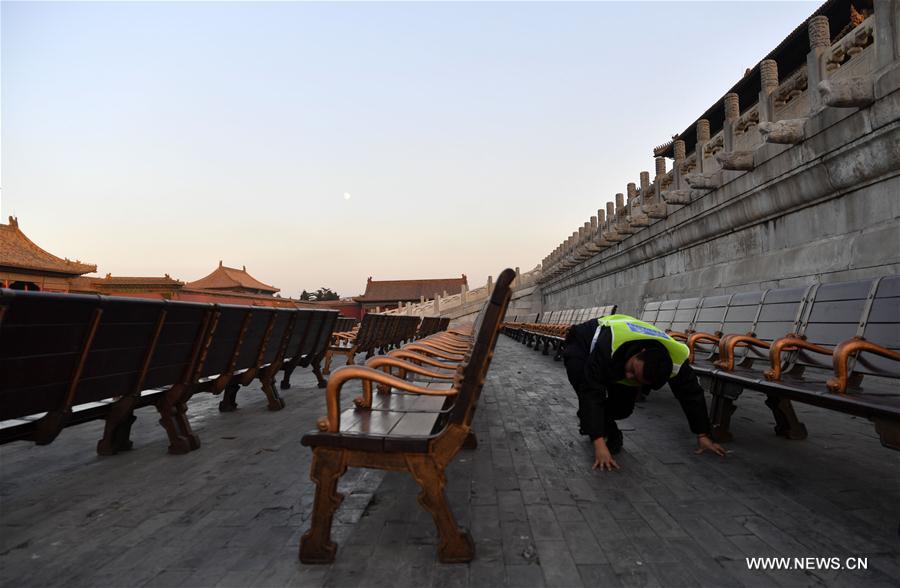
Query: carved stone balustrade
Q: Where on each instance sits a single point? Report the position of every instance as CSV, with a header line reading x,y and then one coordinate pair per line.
x,y
783,132
852,92
704,181
736,160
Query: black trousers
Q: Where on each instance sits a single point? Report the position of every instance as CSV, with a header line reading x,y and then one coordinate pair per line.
x,y
618,400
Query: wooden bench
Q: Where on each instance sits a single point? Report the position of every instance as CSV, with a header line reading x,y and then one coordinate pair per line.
x,y
377,333
551,334
345,324
431,325
68,359
421,443
812,344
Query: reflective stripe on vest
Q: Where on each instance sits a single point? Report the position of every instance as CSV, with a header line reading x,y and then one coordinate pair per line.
x,y
626,328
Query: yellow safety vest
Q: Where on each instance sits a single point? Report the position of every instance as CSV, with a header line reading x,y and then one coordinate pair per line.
x,y
626,328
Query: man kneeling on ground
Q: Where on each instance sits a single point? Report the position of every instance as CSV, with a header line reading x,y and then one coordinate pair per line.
x,y
612,360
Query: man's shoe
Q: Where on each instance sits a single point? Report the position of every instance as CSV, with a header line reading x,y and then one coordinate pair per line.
x,y
614,441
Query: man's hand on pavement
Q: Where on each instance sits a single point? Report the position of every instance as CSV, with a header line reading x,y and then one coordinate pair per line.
x,y
603,459
704,442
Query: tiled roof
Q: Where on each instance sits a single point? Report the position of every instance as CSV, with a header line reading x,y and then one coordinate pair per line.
x,y
395,290
18,251
111,280
229,278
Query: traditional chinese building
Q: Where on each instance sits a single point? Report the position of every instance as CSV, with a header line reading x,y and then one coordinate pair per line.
x,y
387,294
26,266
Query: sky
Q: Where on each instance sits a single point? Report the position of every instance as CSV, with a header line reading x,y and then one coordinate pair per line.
x,y
322,143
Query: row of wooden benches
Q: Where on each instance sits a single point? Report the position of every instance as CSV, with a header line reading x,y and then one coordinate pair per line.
x,y
833,345
67,359
544,331
381,333
414,425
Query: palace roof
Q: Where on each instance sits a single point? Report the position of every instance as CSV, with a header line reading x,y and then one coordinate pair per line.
x,y
397,290
19,252
229,278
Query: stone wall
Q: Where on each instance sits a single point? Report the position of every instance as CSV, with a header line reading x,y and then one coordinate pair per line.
x,y
762,201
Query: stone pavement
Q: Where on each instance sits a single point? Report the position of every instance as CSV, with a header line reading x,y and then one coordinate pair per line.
x,y
231,513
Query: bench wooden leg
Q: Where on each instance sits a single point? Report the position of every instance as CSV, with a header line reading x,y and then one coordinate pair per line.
x,y
720,410
328,465
229,398
170,421
328,355
888,432
276,402
471,441
317,370
456,544
787,424
117,431
286,378
184,426
546,350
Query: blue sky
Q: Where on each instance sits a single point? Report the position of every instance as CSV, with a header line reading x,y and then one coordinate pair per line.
x,y
154,138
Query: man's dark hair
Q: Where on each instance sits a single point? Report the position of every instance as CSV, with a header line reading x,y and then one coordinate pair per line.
x,y
657,366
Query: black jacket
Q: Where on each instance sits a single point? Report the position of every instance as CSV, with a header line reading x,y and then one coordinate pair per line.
x,y
601,369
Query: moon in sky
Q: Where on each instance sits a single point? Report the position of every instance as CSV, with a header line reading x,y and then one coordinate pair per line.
x,y
346,195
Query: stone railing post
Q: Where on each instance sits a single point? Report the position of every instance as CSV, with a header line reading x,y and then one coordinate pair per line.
x,y
490,285
702,140
636,216
819,49
622,224
437,304
463,293
732,112
679,149
768,74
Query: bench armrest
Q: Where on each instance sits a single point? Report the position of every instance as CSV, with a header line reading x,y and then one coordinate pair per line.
x,y
419,358
332,422
679,335
695,337
841,360
729,342
791,342
433,351
386,363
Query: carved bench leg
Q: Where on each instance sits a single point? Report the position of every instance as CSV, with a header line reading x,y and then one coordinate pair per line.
x,y
888,432
229,398
720,411
328,355
547,343
168,413
117,432
456,544
471,441
317,370
328,465
184,426
787,424
560,347
286,378
276,402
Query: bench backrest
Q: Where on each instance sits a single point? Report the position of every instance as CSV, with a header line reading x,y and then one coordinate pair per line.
x,y
58,351
228,328
711,319
881,326
685,311
779,314
474,370
666,314
835,313
344,324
